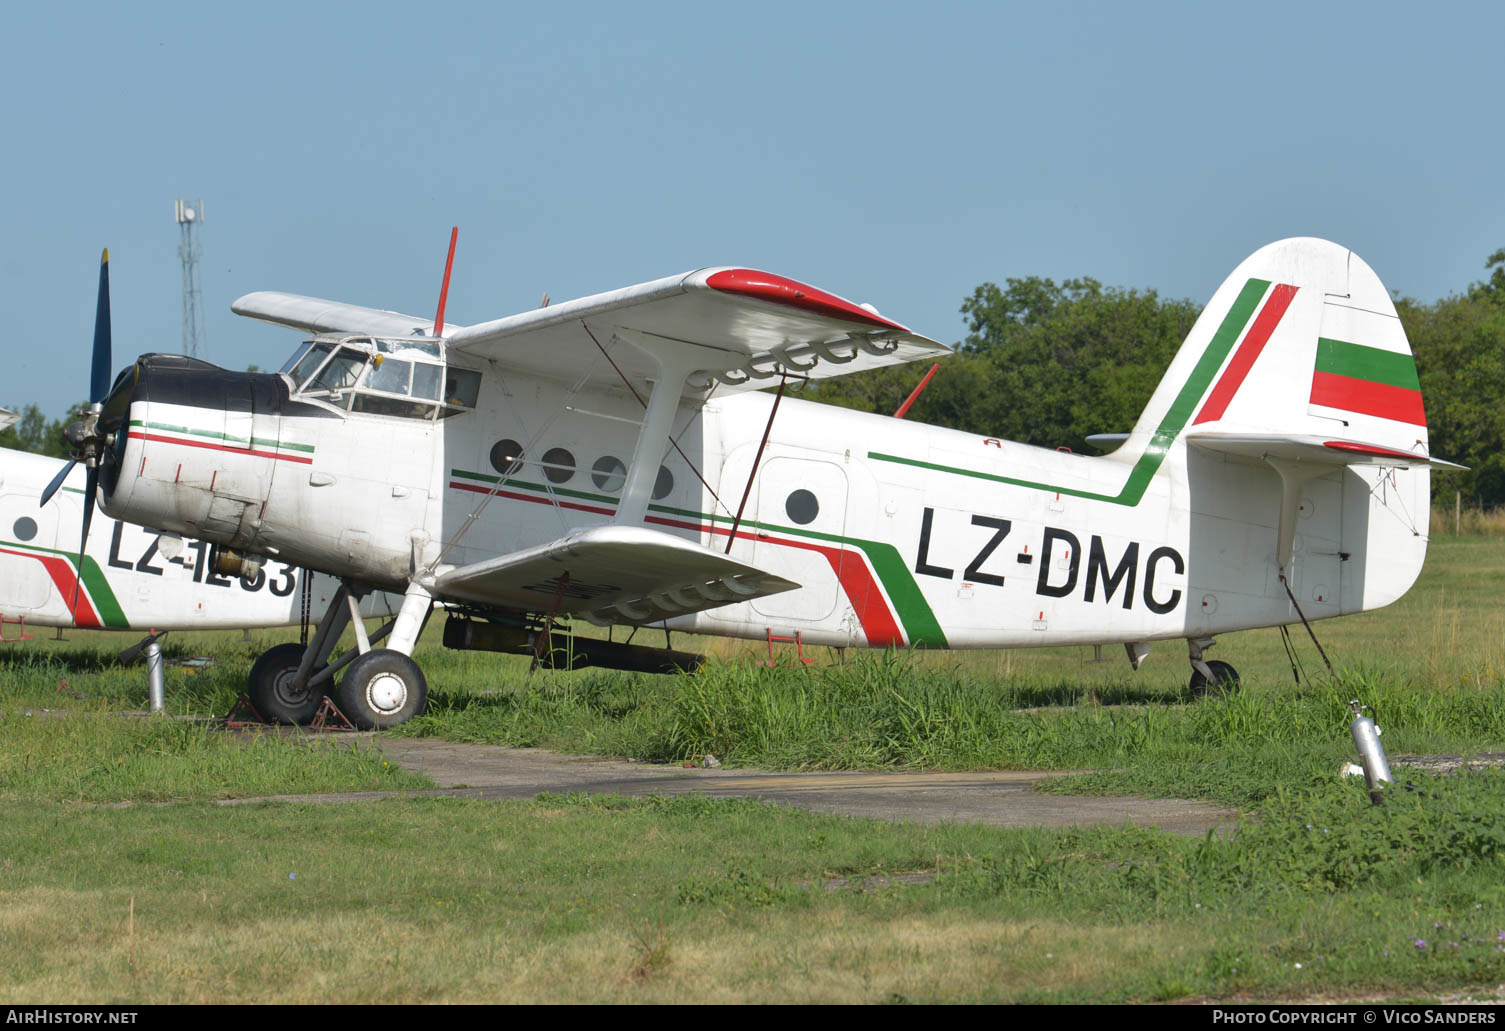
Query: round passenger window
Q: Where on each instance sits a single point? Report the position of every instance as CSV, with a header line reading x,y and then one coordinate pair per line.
x,y
802,507
663,485
506,457
25,528
558,465
608,474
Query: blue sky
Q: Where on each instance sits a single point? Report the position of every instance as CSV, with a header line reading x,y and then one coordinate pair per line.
x,y
894,153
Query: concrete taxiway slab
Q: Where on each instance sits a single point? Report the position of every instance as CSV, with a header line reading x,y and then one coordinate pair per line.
x,y
1001,798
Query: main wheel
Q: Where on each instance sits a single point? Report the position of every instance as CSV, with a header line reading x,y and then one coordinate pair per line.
x,y
1225,680
382,689
271,687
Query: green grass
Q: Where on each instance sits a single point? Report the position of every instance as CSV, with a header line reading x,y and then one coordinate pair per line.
x,y
605,899
1431,666
103,757
574,898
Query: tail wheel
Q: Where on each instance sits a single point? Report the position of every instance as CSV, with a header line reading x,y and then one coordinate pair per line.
x,y
1225,680
382,689
272,691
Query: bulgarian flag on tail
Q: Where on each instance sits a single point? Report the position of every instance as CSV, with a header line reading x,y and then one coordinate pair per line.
x,y
1353,379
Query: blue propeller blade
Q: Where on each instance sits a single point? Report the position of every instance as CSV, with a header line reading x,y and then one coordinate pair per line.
x,y
99,379
57,481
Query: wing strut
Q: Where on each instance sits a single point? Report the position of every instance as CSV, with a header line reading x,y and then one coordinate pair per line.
x,y
677,361
634,391
915,394
731,538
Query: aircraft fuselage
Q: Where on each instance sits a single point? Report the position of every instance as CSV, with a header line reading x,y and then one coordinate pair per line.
x,y
899,533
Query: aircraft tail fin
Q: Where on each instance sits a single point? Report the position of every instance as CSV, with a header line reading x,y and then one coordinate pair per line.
x,y
1302,340
1299,366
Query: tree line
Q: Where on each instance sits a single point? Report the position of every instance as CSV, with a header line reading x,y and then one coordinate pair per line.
x,y
1048,363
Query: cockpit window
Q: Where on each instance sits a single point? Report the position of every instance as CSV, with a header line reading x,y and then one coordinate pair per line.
x,y
426,381
340,372
390,377
462,387
306,361
386,388
291,363
402,378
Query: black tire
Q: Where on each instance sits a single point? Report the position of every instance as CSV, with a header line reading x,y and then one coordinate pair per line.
x,y
382,689
1225,680
271,691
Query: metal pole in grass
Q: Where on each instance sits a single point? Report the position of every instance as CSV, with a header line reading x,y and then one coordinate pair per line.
x,y
1457,513
155,688
1366,738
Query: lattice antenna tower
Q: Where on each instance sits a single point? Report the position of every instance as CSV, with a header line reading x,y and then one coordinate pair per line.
x,y
190,215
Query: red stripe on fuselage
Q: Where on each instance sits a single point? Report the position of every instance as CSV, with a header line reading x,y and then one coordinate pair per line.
x,y
528,497
280,456
1368,398
879,624
877,619
1244,358
64,580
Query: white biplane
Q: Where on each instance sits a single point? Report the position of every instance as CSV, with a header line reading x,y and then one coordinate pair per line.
x,y
616,459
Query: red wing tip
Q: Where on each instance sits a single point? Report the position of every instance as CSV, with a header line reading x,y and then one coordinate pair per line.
x,y
765,286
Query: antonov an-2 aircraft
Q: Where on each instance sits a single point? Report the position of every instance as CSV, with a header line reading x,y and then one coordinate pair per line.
x,y
613,458
125,582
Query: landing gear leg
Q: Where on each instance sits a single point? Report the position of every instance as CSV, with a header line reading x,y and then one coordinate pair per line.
x,y
280,687
384,686
1209,677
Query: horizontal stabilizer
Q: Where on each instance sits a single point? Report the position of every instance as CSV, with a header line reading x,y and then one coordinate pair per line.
x,y
1313,450
1106,441
612,574
313,315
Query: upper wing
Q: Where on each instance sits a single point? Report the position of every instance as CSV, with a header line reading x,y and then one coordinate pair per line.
x,y
8,418
612,574
752,327
312,315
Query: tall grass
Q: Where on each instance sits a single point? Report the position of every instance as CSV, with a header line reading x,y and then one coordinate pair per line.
x,y
1472,521
1431,666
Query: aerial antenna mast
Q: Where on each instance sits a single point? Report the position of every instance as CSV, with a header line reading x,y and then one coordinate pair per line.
x,y
189,215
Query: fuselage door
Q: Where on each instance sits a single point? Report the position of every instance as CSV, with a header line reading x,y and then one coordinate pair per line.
x,y
802,514
28,535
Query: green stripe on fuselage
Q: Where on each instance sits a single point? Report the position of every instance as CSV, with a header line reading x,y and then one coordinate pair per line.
x,y
95,582
214,435
1171,424
915,614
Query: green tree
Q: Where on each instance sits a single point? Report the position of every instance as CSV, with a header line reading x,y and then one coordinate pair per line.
x,y
1493,288
1459,343
1043,363
1074,358
34,433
